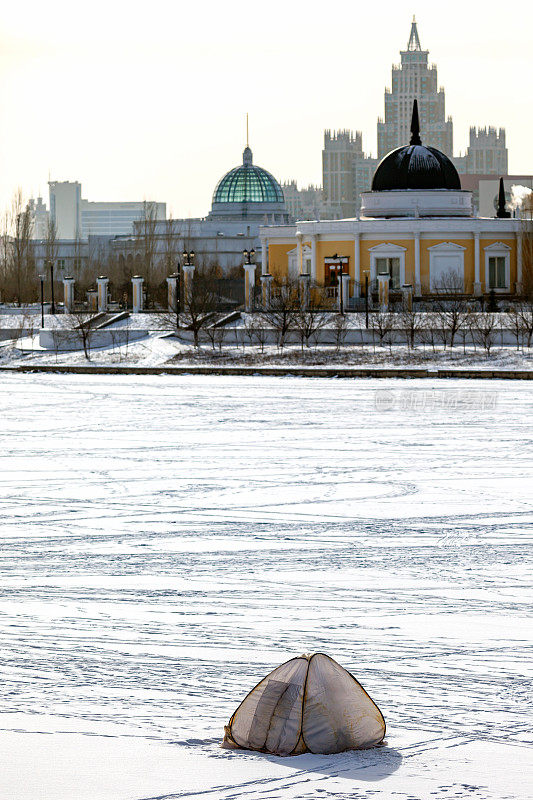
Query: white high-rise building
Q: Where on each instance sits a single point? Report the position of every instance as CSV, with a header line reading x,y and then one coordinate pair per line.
x,y
40,217
76,218
65,208
115,219
486,153
414,79
304,203
346,172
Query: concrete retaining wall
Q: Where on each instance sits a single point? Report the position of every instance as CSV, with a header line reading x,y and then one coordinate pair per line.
x,y
302,372
240,336
62,340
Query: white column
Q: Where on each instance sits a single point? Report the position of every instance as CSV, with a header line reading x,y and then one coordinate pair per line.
x,y
357,265
418,283
304,289
102,282
264,256
299,253
138,299
188,275
249,287
383,292
313,258
266,281
345,291
407,296
519,262
92,299
171,293
68,294
477,280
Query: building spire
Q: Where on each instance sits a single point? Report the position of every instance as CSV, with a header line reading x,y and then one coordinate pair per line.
x,y
414,41
502,213
247,157
415,125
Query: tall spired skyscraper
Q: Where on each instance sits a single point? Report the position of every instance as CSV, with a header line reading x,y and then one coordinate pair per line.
x,y
414,78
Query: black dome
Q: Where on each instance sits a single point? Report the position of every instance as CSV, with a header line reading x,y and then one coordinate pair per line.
x,y
415,167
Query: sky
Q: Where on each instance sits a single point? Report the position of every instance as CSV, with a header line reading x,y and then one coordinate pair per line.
x,y
148,101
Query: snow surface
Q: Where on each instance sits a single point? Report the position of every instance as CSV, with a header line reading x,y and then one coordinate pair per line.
x,y
166,540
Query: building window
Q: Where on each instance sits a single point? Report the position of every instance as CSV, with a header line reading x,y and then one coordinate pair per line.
x,y
446,267
390,267
497,272
497,267
388,259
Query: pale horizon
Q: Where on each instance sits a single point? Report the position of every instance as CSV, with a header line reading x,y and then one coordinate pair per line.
x,y
152,106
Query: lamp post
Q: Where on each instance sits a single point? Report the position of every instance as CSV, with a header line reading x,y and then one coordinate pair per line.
x,y
42,277
52,304
178,296
366,299
188,275
339,272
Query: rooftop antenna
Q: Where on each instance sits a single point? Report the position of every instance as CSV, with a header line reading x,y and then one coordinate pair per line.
x,y
414,41
415,125
247,138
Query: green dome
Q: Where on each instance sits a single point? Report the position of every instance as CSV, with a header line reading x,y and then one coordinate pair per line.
x,y
248,184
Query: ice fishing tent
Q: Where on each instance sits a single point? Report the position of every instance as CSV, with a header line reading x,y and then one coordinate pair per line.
x,y
309,704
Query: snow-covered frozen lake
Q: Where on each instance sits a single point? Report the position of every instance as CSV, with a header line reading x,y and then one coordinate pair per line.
x,y
168,540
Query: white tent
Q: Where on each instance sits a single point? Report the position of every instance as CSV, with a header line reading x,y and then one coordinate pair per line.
x,y
309,704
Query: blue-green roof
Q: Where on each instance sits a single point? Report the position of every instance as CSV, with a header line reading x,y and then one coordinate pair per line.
x,y
248,184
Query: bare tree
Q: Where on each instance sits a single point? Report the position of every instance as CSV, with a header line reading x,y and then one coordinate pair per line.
x,y
382,323
283,309
215,333
146,246
310,316
340,330
429,332
76,328
50,255
171,249
484,328
20,276
523,314
5,251
255,330
451,306
200,300
526,235
412,322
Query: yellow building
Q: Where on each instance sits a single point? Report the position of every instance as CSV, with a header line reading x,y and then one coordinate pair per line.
x,y
416,228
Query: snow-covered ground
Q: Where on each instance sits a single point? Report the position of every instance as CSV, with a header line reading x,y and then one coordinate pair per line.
x,y
160,349
167,540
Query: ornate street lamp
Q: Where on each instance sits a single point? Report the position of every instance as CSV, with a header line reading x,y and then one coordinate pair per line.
x,y
188,258
52,305
41,278
340,273
177,277
366,298
249,256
